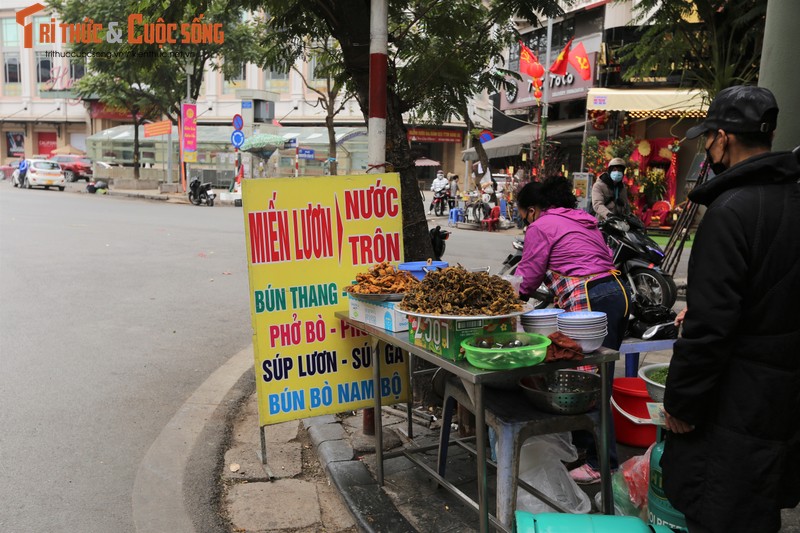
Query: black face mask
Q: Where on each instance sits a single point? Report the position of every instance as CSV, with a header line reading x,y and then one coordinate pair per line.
x,y
719,167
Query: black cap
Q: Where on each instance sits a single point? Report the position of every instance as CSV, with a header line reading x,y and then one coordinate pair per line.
x,y
740,109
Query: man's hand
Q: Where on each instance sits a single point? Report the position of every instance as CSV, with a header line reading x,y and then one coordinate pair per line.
x,y
676,425
680,317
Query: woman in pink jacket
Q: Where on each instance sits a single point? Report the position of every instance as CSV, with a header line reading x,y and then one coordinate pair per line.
x,y
565,250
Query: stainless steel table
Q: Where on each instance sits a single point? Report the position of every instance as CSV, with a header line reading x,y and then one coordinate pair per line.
x,y
473,380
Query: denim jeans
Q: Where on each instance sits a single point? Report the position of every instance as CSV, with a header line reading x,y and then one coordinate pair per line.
x,y
609,298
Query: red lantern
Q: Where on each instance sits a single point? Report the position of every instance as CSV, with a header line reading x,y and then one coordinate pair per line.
x,y
537,71
537,93
537,83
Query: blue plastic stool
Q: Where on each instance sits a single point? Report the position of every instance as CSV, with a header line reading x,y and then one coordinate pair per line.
x,y
456,216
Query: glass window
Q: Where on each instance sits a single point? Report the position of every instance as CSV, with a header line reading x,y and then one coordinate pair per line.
x,y
37,22
276,81
237,82
44,67
11,67
11,31
46,165
77,69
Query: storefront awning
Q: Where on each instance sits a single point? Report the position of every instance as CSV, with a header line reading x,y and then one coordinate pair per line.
x,y
510,144
656,103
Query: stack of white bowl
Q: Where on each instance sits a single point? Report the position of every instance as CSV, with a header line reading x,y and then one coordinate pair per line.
x,y
588,328
541,321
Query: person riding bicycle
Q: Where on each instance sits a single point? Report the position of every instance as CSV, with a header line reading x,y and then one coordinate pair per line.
x,y
609,193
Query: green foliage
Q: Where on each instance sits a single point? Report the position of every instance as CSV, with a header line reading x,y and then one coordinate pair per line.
x,y
713,43
123,72
597,154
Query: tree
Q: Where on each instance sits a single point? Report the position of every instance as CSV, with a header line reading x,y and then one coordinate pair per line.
x,y
713,43
440,55
164,67
336,94
121,93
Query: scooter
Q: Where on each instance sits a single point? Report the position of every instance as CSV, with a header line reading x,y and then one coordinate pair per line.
x,y
200,193
635,255
440,201
639,257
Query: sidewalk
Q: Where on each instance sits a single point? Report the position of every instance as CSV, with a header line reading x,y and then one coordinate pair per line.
x,y
302,454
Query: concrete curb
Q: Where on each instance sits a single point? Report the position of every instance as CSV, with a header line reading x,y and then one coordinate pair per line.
x,y
158,492
371,507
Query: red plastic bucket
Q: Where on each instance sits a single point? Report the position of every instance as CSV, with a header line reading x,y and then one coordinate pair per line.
x,y
630,395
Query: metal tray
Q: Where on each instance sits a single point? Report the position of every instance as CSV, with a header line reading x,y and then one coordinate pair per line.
x,y
377,297
525,308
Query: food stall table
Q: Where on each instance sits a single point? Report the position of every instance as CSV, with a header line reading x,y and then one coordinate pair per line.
x,y
473,380
631,348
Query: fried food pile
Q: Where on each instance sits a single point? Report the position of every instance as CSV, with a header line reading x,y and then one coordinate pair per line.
x,y
458,292
383,278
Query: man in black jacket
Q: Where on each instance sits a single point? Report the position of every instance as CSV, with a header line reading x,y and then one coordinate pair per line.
x,y
732,457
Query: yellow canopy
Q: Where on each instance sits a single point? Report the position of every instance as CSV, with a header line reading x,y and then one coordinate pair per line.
x,y
661,103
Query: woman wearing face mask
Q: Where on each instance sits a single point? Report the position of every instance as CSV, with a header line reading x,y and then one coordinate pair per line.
x,y
609,194
564,250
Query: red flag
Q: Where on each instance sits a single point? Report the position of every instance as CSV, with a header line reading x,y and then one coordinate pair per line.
x,y
579,59
559,66
528,63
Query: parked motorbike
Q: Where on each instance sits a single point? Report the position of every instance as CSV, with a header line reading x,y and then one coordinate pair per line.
x,y
200,193
438,238
635,255
639,257
440,201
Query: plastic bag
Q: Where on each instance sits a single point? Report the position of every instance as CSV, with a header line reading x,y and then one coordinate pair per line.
x,y
636,472
540,466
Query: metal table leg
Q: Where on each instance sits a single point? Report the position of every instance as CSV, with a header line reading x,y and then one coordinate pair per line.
x,y
376,384
410,405
605,420
480,443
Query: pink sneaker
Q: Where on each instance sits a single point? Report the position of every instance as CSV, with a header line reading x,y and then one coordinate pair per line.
x,y
585,475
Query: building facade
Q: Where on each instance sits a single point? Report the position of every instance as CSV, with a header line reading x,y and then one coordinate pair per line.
x,y
38,112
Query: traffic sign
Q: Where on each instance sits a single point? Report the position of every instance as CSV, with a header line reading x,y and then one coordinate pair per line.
x,y
238,122
237,138
305,153
247,104
290,143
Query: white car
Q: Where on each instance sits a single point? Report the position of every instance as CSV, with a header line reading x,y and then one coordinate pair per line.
x,y
41,173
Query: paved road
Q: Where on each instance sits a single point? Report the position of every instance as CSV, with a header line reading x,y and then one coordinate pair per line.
x,y
113,312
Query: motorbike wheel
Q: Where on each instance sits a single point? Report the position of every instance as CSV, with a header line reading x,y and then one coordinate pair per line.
x,y
653,288
438,209
194,199
210,202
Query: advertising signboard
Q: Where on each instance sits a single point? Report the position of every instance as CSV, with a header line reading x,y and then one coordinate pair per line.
x,y
306,239
189,132
568,87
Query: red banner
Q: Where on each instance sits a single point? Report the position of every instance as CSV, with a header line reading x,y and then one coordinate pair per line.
x,y
45,142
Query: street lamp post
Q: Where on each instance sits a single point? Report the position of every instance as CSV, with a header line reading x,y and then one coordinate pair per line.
x,y
185,165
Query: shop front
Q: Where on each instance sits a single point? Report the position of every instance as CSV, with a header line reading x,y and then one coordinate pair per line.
x,y
646,127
